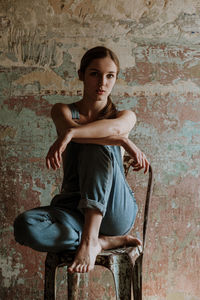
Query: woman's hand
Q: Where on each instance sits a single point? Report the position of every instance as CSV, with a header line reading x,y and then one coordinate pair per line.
x,y
139,160
54,155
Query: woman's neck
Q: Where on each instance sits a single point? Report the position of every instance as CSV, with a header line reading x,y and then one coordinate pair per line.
x,y
90,109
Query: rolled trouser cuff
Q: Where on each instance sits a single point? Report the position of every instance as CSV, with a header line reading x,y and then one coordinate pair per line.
x,y
89,203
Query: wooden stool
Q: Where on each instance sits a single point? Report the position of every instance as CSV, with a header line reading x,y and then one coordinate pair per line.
x,y
124,263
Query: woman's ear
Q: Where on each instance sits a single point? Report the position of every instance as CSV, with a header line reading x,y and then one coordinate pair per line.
x,y
80,75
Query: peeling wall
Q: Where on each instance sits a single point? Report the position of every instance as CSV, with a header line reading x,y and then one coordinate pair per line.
x,y
158,44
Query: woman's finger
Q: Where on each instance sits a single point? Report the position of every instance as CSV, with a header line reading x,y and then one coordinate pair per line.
x,y
56,159
139,159
60,155
51,160
47,162
140,162
136,169
144,162
135,164
53,157
146,167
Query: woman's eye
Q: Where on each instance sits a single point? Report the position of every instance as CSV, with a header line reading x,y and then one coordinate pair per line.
x,y
110,76
94,74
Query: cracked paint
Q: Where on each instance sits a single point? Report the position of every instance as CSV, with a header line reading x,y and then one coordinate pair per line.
x,y
157,42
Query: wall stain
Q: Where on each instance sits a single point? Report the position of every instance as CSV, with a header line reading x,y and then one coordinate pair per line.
x,y
41,44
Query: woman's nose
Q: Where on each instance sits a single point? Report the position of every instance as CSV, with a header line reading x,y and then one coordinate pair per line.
x,y
102,80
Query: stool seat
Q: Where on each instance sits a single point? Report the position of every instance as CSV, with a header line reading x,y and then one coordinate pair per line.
x,y
120,262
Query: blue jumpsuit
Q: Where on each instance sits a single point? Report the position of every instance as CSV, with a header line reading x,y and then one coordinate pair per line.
x,y
93,178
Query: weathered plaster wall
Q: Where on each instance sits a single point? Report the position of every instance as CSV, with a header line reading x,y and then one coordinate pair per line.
x,y
158,43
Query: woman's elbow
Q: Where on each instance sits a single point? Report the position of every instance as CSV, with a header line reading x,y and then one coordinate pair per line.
x,y
127,122
133,119
117,131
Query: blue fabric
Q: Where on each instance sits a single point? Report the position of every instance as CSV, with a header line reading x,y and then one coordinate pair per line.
x,y
49,229
74,111
93,178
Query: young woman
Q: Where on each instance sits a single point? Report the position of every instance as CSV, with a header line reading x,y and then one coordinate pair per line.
x,y
96,208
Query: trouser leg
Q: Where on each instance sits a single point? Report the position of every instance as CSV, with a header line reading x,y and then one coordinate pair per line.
x,y
49,229
95,177
103,186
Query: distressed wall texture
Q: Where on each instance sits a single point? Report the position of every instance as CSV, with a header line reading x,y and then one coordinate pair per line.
x,y
158,43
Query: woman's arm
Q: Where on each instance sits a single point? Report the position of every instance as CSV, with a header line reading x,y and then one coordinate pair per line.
x,y
62,118
121,125
103,132
54,156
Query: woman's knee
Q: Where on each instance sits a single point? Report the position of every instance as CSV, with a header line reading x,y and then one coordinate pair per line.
x,y
92,151
47,229
24,225
20,225
95,159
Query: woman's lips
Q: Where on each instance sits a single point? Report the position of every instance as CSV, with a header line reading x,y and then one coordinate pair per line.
x,y
100,92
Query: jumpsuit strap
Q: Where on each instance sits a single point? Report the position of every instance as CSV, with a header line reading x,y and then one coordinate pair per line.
x,y
74,111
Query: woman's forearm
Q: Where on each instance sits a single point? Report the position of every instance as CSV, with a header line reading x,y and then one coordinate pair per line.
x,y
122,124
98,129
107,127
54,156
114,140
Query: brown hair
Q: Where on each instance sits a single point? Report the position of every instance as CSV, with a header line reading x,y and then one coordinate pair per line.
x,y
110,110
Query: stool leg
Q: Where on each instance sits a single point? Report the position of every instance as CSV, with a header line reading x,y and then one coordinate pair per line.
x,y
77,286
137,279
122,278
73,280
51,264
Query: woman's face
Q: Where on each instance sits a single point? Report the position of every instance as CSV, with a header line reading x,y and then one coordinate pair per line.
x,y
99,79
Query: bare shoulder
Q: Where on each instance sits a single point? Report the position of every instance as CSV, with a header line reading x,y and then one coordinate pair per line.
x,y
62,117
59,109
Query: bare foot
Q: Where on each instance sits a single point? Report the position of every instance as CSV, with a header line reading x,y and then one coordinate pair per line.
x,y
86,256
112,242
89,249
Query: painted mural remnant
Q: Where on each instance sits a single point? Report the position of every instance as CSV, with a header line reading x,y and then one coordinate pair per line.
x,y
158,45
